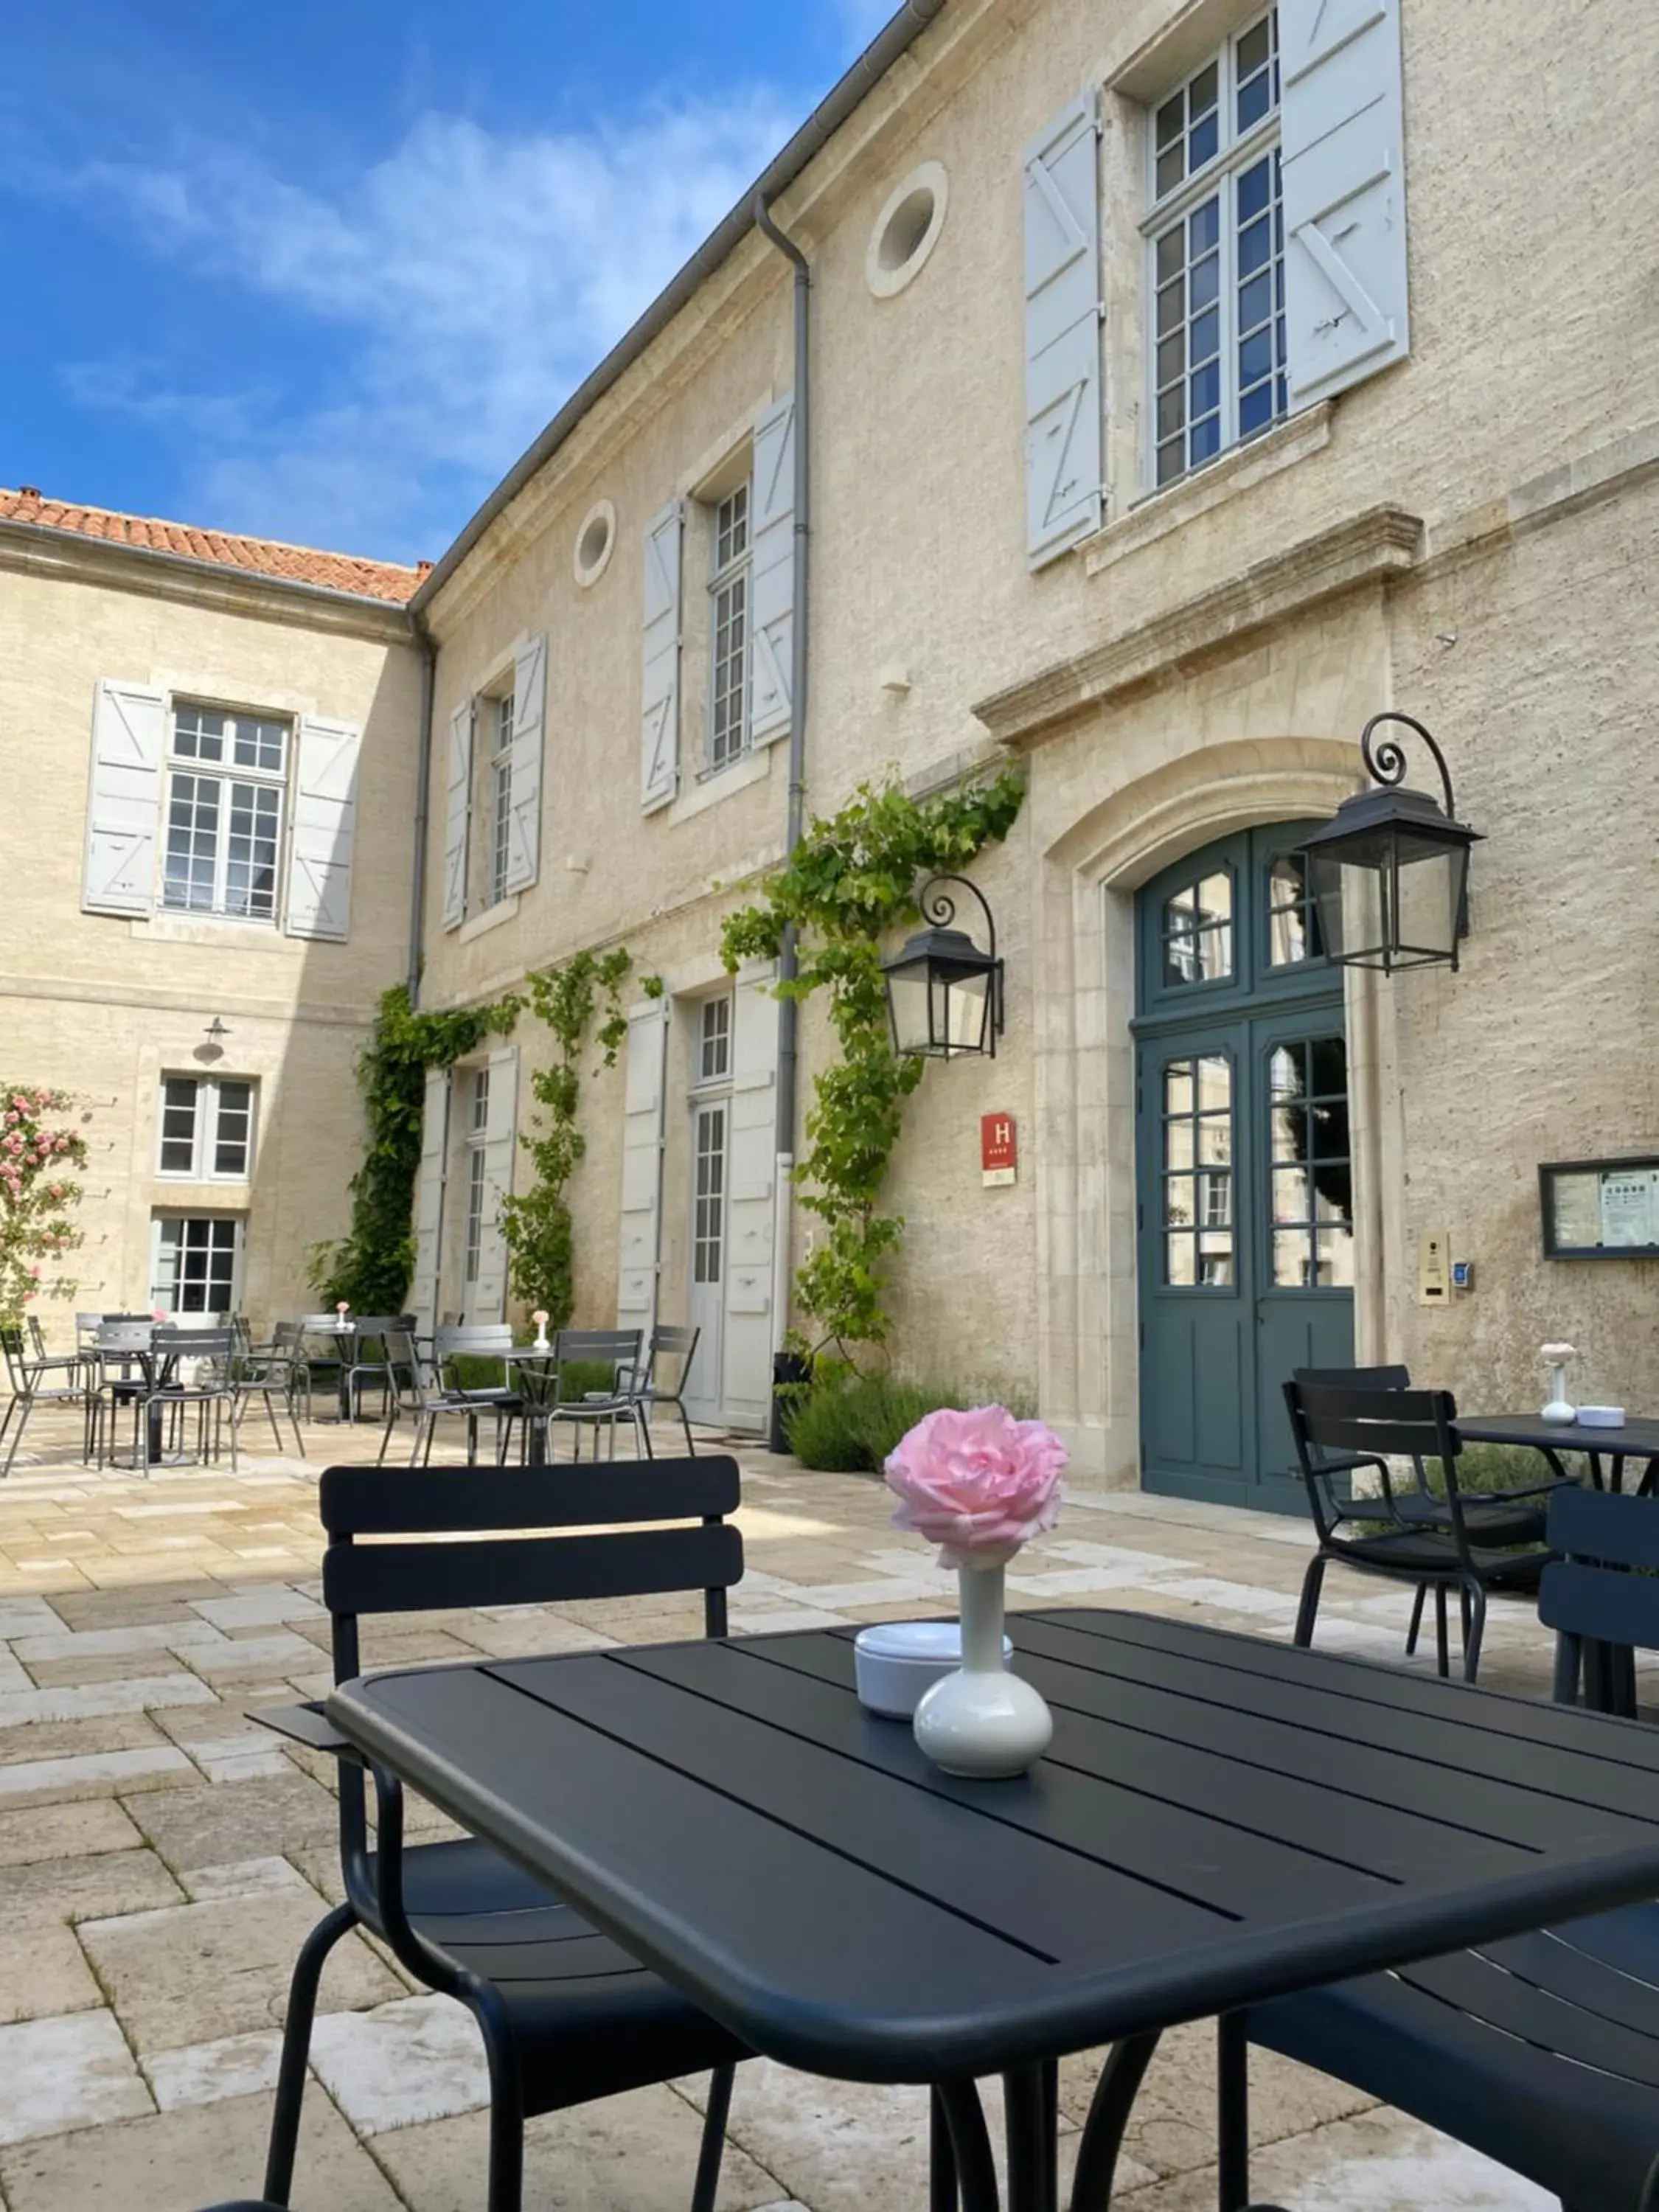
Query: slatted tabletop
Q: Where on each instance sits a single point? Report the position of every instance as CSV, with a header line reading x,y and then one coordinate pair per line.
x,y
1633,1439
1219,1819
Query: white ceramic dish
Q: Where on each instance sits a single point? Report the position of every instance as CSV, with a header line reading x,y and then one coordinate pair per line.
x,y
898,1660
1602,1417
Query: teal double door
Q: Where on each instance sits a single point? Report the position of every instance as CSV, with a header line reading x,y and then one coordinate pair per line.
x,y
1244,1178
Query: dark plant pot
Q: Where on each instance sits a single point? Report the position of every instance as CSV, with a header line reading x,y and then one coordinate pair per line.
x,y
792,1376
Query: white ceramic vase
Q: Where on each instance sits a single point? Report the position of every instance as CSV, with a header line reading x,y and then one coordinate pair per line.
x,y
982,1721
1560,1406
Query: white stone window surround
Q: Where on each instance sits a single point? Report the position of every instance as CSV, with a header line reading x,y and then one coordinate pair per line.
x,y
224,811
1215,367
205,1128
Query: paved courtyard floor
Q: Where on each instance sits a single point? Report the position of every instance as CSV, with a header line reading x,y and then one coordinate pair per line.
x,y
161,1858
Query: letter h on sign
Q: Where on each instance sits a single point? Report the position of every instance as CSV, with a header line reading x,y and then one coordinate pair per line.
x,y
998,1150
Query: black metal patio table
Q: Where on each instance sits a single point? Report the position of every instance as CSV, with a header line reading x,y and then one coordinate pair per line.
x,y
1633,1440
1219,1820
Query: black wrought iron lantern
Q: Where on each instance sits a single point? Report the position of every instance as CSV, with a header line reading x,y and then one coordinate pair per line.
x,y
944,994
1389,871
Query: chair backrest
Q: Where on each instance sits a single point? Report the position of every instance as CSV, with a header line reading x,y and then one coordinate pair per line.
x,y
124,1336
408,1373
37,1336
285,1336
480,1339
618,1347
1373,1424
199,1345
1588,1590
12,1351
595,1554
670,1341
372,1332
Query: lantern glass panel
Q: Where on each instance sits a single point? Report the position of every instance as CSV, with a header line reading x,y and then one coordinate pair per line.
x,y
960,1006
907,1003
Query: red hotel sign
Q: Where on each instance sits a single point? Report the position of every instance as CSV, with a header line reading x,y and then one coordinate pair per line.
x,y
999,1148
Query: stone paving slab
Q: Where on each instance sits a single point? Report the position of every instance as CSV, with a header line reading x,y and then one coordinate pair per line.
x,y
161,1855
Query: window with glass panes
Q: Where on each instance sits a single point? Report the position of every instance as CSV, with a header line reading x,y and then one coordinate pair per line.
x,y
478,1136
1198,931
207,1128
226,773
1217,247
500,817
715,1040
1198,1172
1293,931
1312,1165
728,696
196,1262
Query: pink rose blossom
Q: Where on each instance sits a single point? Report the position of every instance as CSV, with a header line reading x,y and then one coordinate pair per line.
x,y
978,1484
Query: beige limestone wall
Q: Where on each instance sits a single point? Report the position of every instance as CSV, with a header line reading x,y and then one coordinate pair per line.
x,y
1232,702
105,1006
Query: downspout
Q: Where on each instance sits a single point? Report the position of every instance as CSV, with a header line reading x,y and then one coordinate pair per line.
x,y
423,805
789,1009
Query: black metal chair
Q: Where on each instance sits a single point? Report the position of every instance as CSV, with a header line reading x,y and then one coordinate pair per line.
x,y
31,1382
648,1385
1542,2051
1498,1518
566,2015
418,1391
369,1368
1339,1429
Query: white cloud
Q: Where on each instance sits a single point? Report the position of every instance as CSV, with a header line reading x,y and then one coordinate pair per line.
x,y
464,285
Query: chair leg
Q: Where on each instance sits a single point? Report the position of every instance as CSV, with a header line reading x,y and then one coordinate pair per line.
x,y
942,2195
1564,1689
27,1405
1475,1606
296,2047
706,2186
1443,1663
1417,1621
686,1423
270,1415
1308,1610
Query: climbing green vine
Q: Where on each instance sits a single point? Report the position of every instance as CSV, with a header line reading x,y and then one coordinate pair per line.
x,y
537,1224
371,1265
851,881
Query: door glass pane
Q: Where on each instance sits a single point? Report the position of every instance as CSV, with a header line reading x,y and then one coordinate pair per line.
x,y
1293,918
1198,931
1310,1173
1196,1173
708,1197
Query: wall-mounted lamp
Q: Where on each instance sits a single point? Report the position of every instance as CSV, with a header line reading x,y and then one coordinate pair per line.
x,y
944,994
1389,871
215,1029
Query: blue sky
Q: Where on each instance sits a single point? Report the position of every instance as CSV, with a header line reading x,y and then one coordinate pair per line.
x,y
322,271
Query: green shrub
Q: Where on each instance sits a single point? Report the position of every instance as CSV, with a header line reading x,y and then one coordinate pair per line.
x,y
847,1424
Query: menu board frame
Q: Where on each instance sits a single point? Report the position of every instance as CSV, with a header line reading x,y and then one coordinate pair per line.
x,y
1599,1209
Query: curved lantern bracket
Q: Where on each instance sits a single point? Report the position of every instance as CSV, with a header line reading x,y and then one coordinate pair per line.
x,y
1385,764
944,992
938,907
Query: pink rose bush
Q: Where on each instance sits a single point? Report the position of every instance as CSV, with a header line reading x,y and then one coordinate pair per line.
x,y
36,1195
979,1483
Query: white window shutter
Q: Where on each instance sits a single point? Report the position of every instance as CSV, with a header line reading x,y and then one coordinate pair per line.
x,y
429,1197
645,1073
123,800
659,729
489,1298
1342,122
771,569
524,851
458,815
751,1211
1063,430
325,820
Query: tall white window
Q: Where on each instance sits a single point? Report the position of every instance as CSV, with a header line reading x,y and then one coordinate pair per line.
x,y
501,713
207,1128
226,774
729,588
195,1262
1216,248
478,1136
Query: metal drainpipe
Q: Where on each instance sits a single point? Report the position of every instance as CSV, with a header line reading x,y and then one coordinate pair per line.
x,y
423,806
788,1010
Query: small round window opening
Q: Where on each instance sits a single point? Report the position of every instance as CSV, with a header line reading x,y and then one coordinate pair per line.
x,y
594,542
907,230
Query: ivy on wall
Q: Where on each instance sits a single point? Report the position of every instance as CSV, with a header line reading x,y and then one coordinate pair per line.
x,y
40,1164
537,1224
370,1266
851,881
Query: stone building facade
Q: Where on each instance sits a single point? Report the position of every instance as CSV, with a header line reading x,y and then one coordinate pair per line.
x,y
1187,383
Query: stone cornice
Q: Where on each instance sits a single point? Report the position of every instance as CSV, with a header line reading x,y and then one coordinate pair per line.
x,y
64,556
1382,542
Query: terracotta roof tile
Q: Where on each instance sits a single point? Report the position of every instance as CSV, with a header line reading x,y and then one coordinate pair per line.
x,y
260,556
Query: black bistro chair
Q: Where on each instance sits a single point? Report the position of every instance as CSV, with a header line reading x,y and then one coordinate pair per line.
x,y
1439,1543
566,2015
1542,2051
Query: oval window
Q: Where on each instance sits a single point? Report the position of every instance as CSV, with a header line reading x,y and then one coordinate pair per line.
x,y
907,230
594,541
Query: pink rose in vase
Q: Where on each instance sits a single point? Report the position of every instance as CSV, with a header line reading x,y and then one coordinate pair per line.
x,y
979,1483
